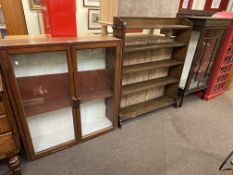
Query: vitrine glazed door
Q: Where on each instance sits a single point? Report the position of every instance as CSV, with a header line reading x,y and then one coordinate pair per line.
x,y
95,87
205,58
45,86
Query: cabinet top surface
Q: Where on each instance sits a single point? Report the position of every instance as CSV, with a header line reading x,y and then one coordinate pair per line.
x,y
8,43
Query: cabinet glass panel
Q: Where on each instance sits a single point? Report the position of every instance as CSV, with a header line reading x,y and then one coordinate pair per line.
x,y
189,58
205,58
44,86
95,88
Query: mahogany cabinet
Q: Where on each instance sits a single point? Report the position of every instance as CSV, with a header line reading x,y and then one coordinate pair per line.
x,y
207,36
65,90
9,136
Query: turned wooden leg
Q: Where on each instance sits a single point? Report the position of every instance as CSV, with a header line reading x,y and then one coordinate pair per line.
x,y
104,30
14,165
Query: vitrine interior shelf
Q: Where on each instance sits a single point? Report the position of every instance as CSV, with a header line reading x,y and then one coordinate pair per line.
x,y
206,39
153,56
66,90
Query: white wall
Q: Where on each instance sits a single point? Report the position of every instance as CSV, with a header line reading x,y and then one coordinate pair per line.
x,y
198,4
32,18
34,24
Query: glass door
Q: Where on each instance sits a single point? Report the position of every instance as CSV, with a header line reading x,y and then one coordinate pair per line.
x,y
95,88
45,88
205,58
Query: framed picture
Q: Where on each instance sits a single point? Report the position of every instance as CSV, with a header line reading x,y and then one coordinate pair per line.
x,y
93,19
35,5
91,3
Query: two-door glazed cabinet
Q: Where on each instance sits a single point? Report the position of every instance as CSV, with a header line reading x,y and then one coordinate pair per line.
x,y
207,36
64,90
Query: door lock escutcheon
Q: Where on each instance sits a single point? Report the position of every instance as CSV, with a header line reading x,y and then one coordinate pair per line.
x,y
76,102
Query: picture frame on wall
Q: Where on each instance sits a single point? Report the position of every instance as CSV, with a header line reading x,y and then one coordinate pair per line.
x,y
91,3
93,19
35,5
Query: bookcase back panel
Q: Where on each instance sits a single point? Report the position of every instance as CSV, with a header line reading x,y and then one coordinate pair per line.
x,y
142,96
147,56
144,76
51,129
94,116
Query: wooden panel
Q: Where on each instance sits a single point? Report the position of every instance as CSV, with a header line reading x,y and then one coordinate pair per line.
x,y
7,143
96,84
104,12
2,108
14,17
1,85
44,93
4,124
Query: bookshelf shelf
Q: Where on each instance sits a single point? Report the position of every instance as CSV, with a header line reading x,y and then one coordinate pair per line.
x,y
150,65
136,87
145,107
154,46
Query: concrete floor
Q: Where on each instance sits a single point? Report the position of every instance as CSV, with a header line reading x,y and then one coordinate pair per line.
x,y
192,140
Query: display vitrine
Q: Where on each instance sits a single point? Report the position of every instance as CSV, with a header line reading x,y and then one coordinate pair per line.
x,y
152,62
206,39
9,136
65,90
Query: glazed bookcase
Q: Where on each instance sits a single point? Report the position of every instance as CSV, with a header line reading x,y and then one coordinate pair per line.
x,y
206,39
222,69
152,62
65,90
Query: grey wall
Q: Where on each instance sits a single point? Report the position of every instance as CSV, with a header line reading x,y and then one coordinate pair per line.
x,y
148,8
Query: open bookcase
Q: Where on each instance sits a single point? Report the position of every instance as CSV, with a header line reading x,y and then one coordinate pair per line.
x,y
64,90
153,59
